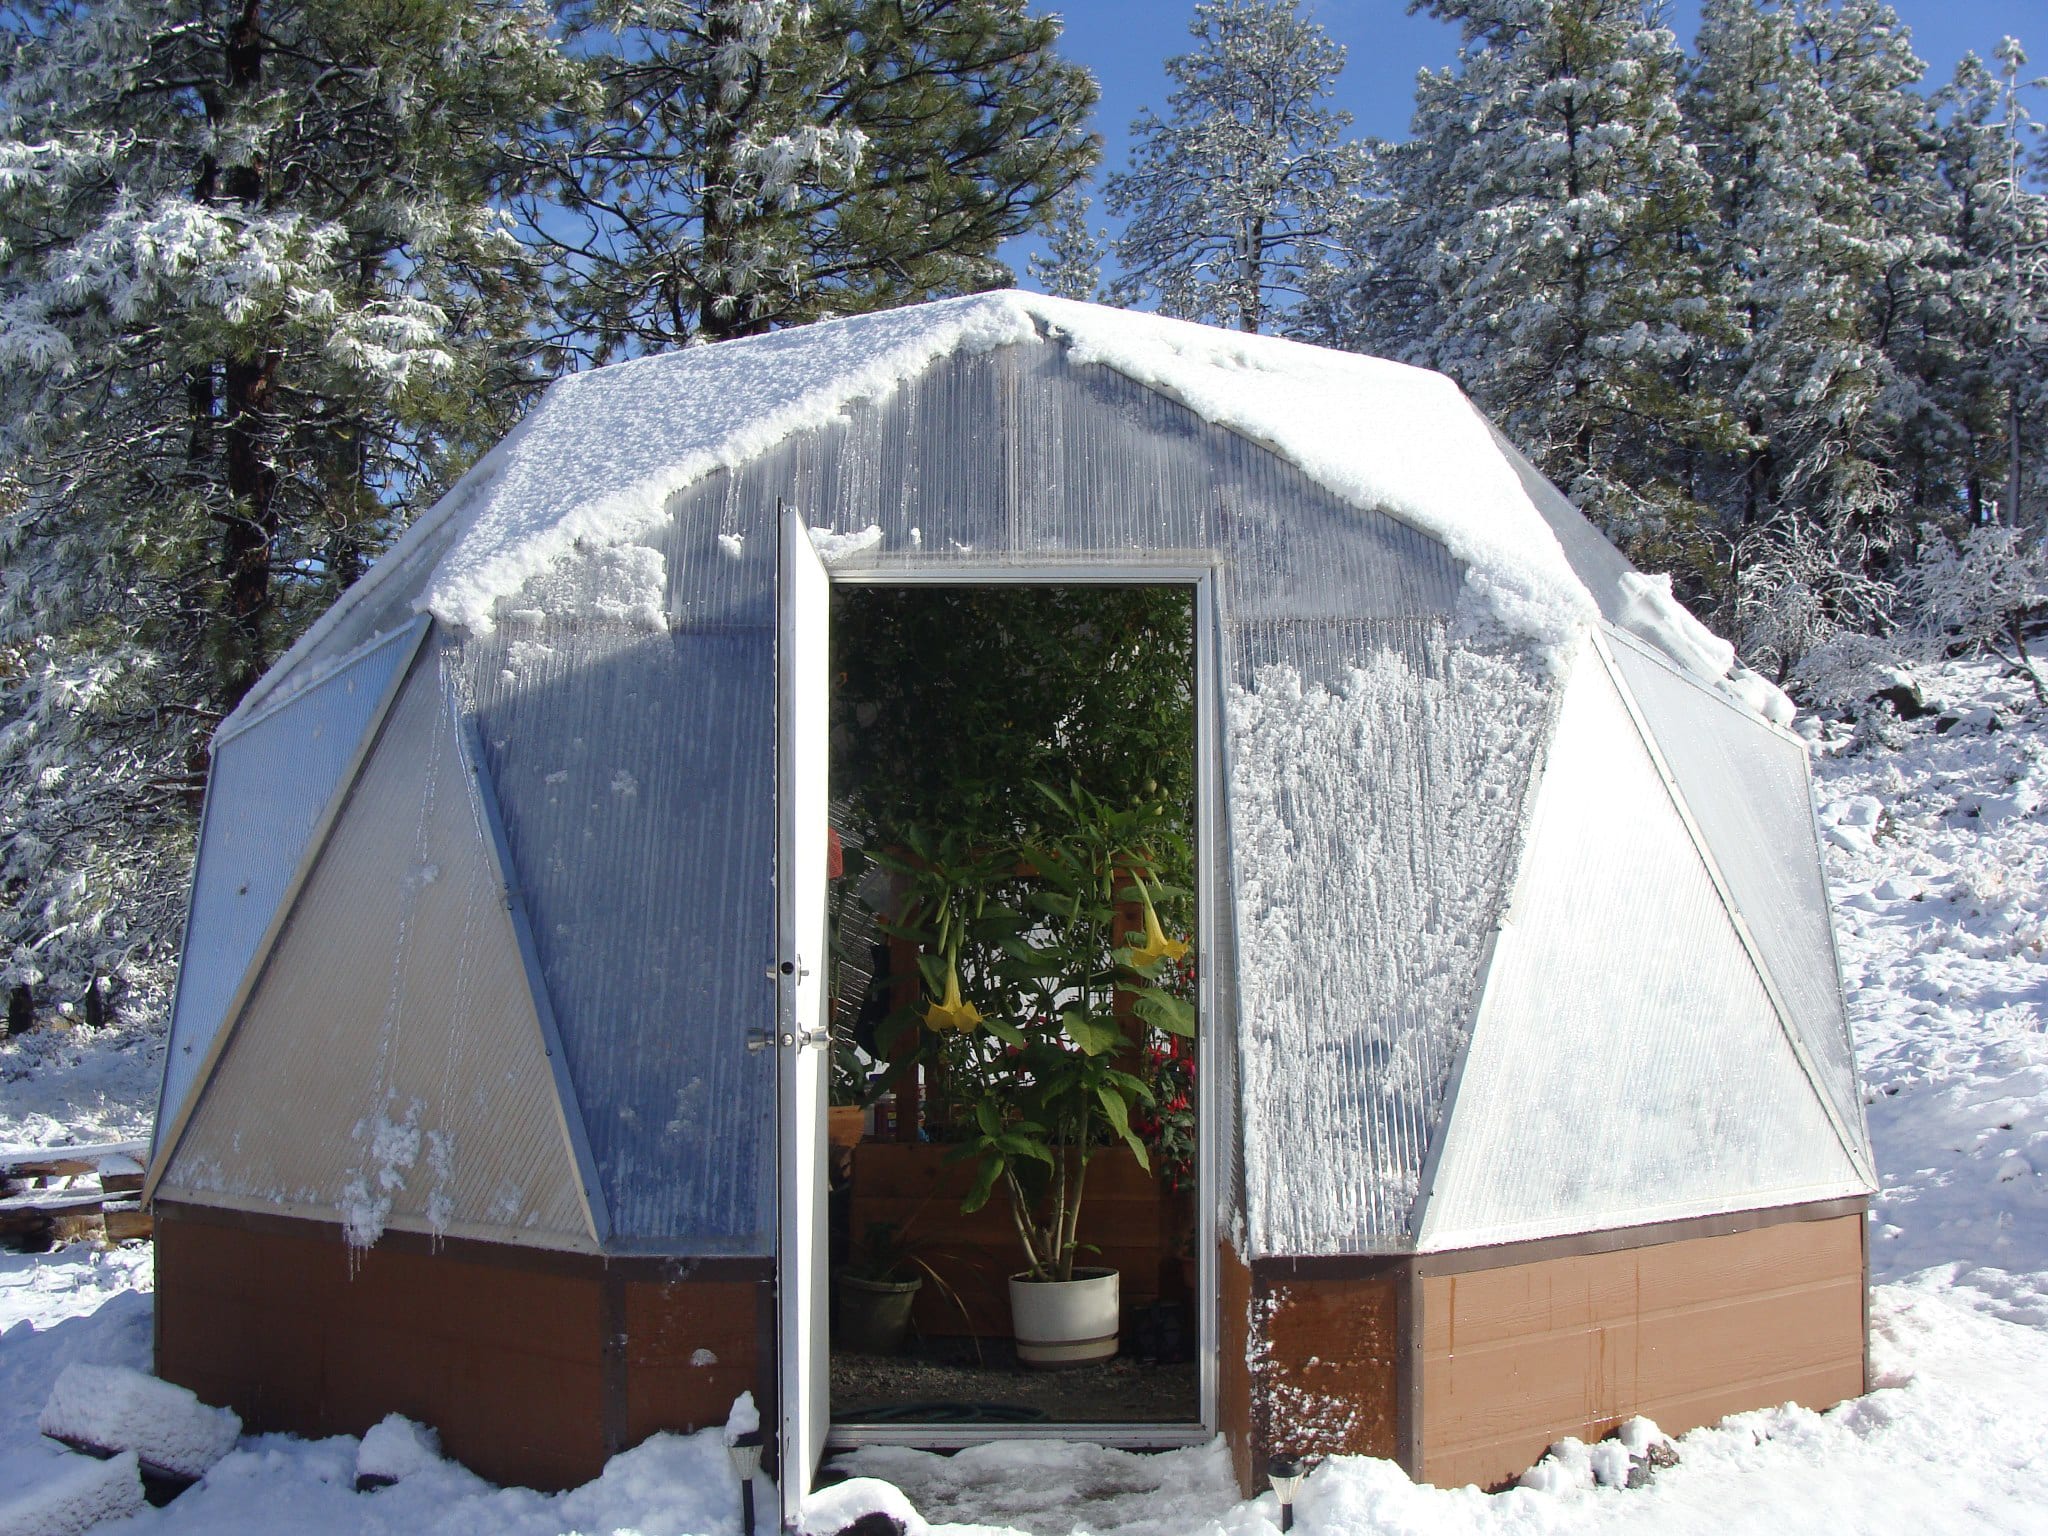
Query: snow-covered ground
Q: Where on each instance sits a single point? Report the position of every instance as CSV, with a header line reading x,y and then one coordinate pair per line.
x,y
1939,856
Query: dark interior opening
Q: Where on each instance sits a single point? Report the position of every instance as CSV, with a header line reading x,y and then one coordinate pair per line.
x,y
1013,783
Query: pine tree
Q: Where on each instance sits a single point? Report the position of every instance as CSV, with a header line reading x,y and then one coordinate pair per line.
x,y
1970,356
1828,220
1071,264
255,306
755,163
1538,244
1237,193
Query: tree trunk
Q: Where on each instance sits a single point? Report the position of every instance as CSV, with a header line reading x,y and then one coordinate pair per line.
x,y
248,385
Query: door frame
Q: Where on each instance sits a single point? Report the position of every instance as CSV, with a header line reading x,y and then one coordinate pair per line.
x,y
1210,929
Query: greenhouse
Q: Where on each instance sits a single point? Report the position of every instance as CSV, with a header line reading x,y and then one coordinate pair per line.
x,y
800,810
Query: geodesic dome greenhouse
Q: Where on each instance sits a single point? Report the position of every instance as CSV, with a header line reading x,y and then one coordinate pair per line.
x,y
1516,941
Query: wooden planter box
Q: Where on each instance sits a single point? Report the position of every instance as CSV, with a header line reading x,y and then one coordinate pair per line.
x,y
1127,1214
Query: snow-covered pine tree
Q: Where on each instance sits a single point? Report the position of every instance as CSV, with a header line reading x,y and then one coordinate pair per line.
x,y
755,163
1537,244
1951,407
255,304
1233,197
1973,355
1071,264
1828,217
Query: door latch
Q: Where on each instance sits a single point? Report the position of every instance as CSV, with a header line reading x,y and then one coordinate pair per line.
x,y
761,1039
794,968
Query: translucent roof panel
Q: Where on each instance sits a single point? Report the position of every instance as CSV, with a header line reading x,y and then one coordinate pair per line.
x,y
389,1069
635,773
1747,787
271,787
1627,1065
1377,778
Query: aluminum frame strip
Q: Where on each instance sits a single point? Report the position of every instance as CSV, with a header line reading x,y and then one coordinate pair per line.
x,y
1503,930
575,1138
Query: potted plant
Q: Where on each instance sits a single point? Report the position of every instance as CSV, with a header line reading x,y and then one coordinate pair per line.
x,y
1047,965
875,1291
849,1093
877,1288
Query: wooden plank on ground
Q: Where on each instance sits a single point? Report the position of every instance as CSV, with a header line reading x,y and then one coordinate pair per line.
x,y
53,1162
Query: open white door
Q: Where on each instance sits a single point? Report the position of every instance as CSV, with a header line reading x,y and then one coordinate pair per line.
x,y
802,1035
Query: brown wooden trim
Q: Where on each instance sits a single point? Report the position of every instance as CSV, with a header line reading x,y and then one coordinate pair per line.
x,y
1329,1266
660,1269
1408,1375
611,1345
1458,1261
1865,1232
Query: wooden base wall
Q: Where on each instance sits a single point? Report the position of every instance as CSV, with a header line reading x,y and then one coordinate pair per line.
x,y
534,1367
1466,1366
1513,1357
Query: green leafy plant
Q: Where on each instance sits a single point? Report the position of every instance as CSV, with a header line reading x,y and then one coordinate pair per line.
x,y
1029,949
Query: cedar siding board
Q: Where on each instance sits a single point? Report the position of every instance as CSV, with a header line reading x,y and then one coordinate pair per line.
x,y
1465,1366
1686,1332
514,1356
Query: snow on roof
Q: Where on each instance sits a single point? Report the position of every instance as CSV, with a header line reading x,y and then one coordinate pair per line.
x,y
594,464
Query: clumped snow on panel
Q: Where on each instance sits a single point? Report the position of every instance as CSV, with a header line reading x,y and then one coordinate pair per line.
x,y
79,1493
113,1408
1375,821
594,465
598,458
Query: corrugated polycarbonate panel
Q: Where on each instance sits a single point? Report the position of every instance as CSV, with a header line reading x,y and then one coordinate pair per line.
x,y
1020,457
389,1068
1377,779
1748,789
652,908
1627,1065
270,787
635,773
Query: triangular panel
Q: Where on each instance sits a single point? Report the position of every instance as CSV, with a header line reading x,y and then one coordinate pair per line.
x,y
1746,786
389,1068
1627,1065
271,788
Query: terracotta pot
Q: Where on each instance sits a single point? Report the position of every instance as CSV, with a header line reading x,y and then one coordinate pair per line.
x,y
1065,1322
843,1124
874,1315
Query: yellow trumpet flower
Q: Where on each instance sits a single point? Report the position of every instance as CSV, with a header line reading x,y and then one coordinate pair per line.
x,y
953,1011
1157,946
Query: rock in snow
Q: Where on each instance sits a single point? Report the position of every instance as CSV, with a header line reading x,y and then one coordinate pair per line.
x,y
112,1408
77,1496
393,1450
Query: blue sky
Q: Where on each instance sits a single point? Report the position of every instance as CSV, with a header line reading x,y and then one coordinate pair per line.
x,y
1126,41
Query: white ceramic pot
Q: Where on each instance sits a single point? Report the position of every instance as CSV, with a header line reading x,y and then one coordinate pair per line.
x,y
1065,1322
